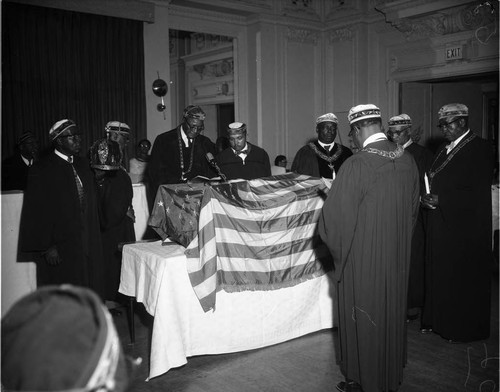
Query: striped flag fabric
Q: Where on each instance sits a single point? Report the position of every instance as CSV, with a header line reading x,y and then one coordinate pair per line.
x,y
258,235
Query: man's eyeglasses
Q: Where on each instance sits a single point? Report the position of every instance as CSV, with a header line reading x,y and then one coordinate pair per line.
x,y
446,124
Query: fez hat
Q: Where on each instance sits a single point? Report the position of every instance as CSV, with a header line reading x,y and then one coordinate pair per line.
x,y
194,111
363,112
61,338
400,121
453,110
236,127
59,127
118,127
327,117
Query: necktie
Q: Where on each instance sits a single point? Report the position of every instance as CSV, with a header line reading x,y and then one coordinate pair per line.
x,y
241,152
328,147
79,186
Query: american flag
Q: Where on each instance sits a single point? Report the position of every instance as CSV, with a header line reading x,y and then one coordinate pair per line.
x,y
258,235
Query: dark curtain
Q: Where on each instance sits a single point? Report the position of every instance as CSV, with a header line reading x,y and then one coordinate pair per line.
x,y
62,64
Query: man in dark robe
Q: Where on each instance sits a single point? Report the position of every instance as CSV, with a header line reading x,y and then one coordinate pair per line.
x,y
367,222
323,157
116,214
400,131
243,160
59,220
15,168
457,302
179,155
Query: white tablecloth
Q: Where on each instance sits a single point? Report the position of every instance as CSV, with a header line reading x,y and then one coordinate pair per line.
x,y
156,275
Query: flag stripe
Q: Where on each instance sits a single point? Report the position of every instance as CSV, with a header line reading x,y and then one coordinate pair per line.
x,y
257,235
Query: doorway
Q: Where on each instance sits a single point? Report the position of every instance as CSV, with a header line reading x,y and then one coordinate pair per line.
x,y
202,73
421,100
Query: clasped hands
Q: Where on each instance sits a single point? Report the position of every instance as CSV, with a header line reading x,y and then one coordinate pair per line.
x,y
429,201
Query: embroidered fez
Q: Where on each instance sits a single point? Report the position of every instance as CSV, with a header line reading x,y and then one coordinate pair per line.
x,y
327,117
236,127
26,136
105,154
59,127
363,112
61,338
118,127
400,121
194,111
453,110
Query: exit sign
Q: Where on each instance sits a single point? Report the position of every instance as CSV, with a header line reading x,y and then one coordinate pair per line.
x,y
454,52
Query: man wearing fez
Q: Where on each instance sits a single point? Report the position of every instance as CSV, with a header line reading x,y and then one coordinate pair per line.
x,y
457,302
59,220
323,157
179,155
15,168
399,131
243,160
367,222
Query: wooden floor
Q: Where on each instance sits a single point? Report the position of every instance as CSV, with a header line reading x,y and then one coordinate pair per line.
x,y
308,363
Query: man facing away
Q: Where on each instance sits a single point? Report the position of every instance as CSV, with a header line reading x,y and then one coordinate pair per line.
x,y
243,160
399,131
457,302
323,157
59,220
367,222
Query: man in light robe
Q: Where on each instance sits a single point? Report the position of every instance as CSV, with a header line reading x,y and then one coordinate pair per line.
x,y
367,222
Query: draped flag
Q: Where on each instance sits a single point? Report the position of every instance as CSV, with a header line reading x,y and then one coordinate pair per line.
x,y
258,235
176,210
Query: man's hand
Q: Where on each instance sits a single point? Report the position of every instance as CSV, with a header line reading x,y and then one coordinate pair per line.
x,y
52,256
430,201
131,213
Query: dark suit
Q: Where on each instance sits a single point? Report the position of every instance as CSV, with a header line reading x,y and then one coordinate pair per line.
x,y
14,173
256,164
457,302
52,215
164,164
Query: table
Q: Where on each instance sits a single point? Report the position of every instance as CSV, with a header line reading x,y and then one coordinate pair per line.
x,y
156,276
18,279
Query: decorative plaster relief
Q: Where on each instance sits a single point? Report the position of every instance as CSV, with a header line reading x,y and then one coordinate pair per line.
x,y
302,35
344,34
203,41
299,8
460,19
215,69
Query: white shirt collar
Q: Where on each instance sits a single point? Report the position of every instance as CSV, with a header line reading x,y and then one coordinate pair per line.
x,y
25,160
63,156
374,138
407,143
330,146
452,145
184,137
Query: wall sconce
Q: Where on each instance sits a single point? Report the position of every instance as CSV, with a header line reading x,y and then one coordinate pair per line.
x,y
160,89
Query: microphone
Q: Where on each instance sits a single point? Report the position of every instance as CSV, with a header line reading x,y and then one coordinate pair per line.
x,y
213,163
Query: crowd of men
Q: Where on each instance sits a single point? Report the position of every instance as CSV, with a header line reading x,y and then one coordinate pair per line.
x,y
409,231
